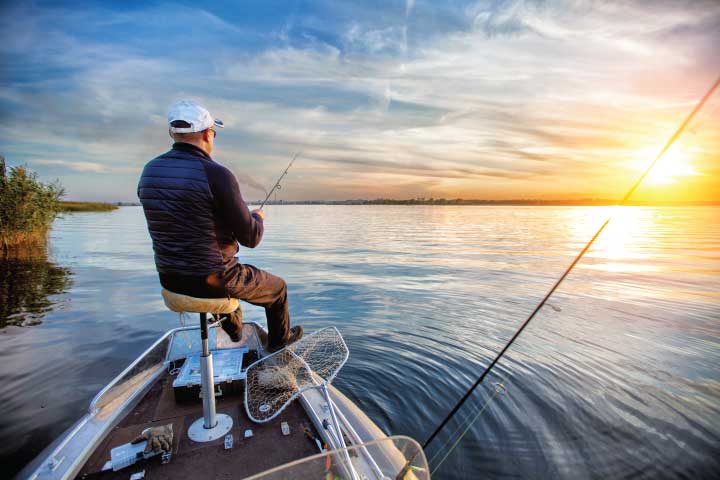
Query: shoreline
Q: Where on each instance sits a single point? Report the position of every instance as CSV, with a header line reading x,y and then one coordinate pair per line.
x,y
65,207
491,203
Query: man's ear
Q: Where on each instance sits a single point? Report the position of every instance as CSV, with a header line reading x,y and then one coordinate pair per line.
x,y
171,135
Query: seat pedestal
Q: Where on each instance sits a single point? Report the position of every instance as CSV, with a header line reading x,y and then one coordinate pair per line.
x,y
211,426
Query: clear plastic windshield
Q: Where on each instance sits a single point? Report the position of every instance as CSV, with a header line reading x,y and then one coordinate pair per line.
x,y
390,458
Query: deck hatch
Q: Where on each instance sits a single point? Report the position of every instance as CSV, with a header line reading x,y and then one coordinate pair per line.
x,y
227,367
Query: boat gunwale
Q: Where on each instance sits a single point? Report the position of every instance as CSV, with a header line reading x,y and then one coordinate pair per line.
x,y
92,409
103,425
101,428
96,427
334,452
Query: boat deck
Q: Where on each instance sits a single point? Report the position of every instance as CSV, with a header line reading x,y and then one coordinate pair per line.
x,y
267,448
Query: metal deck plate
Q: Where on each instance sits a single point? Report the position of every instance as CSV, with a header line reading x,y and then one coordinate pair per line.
x,y
198,433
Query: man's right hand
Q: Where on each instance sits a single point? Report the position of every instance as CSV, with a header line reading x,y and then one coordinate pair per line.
x,y
260,213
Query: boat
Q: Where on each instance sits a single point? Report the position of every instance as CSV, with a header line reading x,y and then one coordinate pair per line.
x,y
271,415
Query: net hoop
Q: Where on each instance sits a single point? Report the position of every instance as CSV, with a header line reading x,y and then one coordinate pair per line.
x,y
310,363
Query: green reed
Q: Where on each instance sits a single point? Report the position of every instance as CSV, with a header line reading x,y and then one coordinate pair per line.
x,y
27,206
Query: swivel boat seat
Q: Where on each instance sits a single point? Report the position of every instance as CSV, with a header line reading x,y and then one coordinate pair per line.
x,y
211,426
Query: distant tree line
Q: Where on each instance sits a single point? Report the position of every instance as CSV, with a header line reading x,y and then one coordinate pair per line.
x,y
463,201
447,201
579,202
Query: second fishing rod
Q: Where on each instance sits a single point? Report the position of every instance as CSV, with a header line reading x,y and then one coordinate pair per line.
x,y
570,267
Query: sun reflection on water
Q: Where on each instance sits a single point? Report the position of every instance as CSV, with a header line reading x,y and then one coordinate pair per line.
x,y
619,248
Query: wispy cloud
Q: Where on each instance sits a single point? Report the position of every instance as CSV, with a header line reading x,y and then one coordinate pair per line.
x,y
76,166
90,167
409,5
507,98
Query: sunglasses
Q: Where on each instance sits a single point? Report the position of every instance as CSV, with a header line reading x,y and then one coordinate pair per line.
x,y
214,132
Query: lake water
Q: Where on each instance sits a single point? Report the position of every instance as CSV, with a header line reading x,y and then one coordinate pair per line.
x,y
619,376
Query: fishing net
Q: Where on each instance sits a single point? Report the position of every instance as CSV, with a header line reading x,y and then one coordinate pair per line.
x,y
276,380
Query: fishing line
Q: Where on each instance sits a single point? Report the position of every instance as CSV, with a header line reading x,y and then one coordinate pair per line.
x,y
624,200
277,184
499,388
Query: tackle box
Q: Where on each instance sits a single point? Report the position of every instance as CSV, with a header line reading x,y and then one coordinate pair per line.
x,y
228,373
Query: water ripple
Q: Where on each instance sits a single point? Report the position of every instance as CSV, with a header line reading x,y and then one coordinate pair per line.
x,y
617,377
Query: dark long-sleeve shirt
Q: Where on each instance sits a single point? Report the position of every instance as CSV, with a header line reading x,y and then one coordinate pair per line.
x,y
196,217
231,211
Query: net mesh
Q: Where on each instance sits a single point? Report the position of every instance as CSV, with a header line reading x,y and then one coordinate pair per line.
x,y
274,381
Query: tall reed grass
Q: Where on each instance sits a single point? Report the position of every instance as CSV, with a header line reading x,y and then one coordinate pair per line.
x,y
27,206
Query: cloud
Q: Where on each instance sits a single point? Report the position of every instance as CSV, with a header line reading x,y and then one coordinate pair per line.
x,y
76,166
496,97
409,5
515,17
420,169
87,167
385,40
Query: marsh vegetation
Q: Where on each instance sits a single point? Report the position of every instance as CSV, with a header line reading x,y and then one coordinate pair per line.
x,y
27,206
87,207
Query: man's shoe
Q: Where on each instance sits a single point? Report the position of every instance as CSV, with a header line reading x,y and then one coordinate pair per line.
x,y
231,329
296,334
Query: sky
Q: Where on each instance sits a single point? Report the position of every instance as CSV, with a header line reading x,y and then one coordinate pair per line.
x,y
393,99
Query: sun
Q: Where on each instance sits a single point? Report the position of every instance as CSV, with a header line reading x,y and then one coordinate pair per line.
x,y
674,164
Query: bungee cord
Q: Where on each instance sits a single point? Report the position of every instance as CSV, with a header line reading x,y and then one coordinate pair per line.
x,y
542,302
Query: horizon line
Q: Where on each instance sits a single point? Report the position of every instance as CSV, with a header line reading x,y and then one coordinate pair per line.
x,y
459,201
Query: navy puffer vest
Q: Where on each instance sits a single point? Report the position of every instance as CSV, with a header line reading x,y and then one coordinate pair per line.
x,y
178,203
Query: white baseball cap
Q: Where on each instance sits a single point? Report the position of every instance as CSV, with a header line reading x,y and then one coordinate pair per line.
x,y
193,113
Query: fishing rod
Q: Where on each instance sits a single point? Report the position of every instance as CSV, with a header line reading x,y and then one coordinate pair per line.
x,y
277,184
624,200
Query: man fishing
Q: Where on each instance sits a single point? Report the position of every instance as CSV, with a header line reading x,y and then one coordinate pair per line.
x,y
196,217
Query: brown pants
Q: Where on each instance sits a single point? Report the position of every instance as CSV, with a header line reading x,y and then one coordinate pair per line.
x,y
247,283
